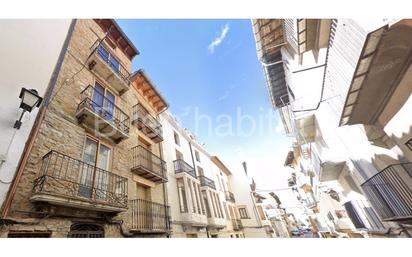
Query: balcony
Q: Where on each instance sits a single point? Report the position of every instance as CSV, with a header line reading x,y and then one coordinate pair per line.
x,y
182,167
229,196
207,182
363,216
101,114
146,123
103,62
390,192
380,83
149,217
237,224
148,165
72,183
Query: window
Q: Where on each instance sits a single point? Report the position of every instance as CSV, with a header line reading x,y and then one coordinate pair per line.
x,y
200,171
206,204
103,102
197,156
225,207
177,139
86,231
96,154
409,144
108,58
182,196
243,213
191,235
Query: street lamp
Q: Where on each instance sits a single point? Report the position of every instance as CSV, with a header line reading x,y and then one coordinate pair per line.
x,y
29,100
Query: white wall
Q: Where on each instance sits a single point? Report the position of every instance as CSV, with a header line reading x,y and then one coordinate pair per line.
x,y
29,50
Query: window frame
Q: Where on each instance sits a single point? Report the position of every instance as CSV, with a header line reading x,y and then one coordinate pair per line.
x,y
197,156
240,213
176,138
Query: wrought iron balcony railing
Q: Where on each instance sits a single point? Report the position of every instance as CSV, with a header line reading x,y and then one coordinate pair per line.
x,y
109,113
148,165
107,57
205,181
390,192
147,123
229,196
237,224
182,166
149,217
64,177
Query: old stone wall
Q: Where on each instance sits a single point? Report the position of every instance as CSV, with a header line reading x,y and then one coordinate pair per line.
x,y
61,131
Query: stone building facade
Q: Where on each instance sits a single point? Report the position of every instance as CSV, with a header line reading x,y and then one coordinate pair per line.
x,y
95,168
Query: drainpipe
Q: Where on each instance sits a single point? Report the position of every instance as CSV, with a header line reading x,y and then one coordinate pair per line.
x,y
193,159
165,198
39,120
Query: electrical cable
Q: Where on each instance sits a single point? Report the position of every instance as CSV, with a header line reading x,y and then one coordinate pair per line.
x,y
83,65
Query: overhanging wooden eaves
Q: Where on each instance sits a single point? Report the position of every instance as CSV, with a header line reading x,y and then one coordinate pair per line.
x,y
118,37
143,84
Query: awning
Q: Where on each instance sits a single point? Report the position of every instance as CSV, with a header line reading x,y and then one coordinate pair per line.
x,y
385,57
142,82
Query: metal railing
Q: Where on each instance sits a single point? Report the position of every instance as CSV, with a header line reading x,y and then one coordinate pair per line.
x,y
61,175
390,192
105,108
237,224
106,56
148,216
229,196
182,166
205,181
143,158
141,114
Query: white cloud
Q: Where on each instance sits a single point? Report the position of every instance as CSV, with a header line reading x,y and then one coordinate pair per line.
x,y
217,41
223,97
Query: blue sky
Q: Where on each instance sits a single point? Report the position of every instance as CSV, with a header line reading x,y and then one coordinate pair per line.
x,y
178,58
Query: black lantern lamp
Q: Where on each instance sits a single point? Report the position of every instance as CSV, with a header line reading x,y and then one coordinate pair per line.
x,y
29,100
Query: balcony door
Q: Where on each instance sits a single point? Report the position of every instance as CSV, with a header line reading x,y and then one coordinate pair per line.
x,y
103,101
94,173
146,157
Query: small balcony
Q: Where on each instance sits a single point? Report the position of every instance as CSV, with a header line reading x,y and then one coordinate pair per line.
x,y
148,165
149,217
73,183
229,196
390,192
207,182
237,224
103,62
182,167
146,123
101,114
